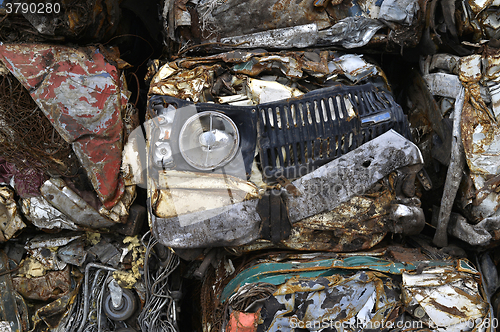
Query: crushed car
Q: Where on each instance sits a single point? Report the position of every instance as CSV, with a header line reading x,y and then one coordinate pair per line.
x,y
249,159
378,290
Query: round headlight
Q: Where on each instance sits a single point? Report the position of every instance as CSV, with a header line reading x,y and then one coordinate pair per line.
x,y
209,140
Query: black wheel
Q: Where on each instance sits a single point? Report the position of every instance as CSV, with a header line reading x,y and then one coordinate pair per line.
x,y
126,309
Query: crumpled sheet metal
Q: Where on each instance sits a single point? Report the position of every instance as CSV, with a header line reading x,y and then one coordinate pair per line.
x,y
340,180
192,77
481,133
44,216
226,226
403,12
47,257
358,224
10,220
57,193
367,297
482,19
451,300
280,24
81,94
188,85
365,293
350,32
44,248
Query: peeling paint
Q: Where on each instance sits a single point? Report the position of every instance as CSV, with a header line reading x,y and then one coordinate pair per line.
x,y
80,93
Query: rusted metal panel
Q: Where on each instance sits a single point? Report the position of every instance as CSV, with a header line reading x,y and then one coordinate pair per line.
x,y
340,180
81,94
220,17
445,297
480,136
53,285
57,313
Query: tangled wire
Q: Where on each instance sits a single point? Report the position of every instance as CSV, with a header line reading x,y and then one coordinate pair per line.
x,y
27,138
159,311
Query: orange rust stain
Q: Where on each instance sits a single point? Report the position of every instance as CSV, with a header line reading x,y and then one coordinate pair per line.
x,y
243,321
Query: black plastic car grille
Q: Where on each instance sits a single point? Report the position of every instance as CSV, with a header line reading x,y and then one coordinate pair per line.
x,y
298,135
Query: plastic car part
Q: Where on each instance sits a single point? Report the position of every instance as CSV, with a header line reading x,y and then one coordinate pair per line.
x,y
300,134
297,135
126,308
244,121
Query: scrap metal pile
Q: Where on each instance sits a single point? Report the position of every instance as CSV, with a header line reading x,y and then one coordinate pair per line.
x,y
249,166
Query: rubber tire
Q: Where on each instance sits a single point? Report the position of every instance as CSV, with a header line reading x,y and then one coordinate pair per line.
x,y
126,310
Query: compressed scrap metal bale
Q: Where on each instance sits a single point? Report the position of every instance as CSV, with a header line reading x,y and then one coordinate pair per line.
x,y
81,94
277,24
184,231
280,122
348,293
478,131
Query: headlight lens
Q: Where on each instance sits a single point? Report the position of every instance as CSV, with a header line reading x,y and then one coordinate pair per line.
x,y
209,140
